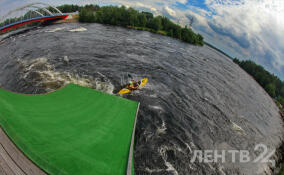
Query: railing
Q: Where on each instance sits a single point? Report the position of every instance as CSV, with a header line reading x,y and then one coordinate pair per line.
x,y
31,12
31,20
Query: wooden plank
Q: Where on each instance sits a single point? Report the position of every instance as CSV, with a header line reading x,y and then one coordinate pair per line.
x,y
2,172
13,161
4,168
9,166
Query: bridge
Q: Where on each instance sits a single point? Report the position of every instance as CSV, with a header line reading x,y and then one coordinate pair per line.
x,y
30,13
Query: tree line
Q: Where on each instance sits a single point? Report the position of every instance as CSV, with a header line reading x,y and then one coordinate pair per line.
x,y
271,83
129,17
69,8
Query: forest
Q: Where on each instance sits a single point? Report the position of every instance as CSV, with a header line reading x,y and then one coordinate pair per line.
x,y
271,83
131,18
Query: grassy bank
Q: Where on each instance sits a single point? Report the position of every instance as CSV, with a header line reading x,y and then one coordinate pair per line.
x,y
161,32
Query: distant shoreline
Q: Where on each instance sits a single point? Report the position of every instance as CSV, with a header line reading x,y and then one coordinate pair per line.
x,y
219,50
75,19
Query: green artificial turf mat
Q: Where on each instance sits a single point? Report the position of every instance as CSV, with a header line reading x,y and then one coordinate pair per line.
x,y
75,130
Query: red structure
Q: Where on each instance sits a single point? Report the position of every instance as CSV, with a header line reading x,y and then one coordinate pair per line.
x,y
20,23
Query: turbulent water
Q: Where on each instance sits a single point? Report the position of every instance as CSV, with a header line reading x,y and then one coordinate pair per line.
x,y
196,98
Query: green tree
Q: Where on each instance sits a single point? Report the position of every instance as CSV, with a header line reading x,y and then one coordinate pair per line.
x,y
142,20
236,60
83,15
282,90
271,83
200,39
133,17
270,89
148,15
177,32
68,8
171,33
155,24
280,99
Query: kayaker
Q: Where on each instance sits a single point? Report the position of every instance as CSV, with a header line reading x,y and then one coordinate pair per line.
x,y
133,85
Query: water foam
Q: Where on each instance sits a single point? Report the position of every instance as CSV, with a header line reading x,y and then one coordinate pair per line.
x,y
80,29
238,128
162,129
170,167
43,75
153,170
55,30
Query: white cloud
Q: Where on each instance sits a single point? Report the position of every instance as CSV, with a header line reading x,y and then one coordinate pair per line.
x,y
182,1
139,5
259,23
169,11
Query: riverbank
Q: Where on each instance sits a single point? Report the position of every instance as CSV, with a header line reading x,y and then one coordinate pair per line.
x,y
219,50
129,17
72,18
161,32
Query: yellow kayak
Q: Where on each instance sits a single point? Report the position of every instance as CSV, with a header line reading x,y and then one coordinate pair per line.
x,y
141,83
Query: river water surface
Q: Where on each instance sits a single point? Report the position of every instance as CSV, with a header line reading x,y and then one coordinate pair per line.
x,y
196,98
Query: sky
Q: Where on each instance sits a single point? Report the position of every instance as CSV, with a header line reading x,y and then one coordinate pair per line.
x,y
246,29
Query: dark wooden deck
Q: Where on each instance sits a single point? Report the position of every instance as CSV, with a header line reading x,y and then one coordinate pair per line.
x,y
13,161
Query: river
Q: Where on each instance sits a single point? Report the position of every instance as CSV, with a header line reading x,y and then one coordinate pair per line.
x,y
196,98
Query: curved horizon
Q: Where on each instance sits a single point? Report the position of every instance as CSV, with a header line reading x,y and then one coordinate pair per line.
x,y
246,29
